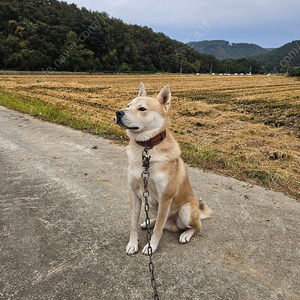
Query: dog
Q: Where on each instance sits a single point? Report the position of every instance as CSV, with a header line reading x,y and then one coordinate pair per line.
x,y
171,197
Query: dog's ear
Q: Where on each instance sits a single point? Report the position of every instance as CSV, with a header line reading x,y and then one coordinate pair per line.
x,y
142,91
164,97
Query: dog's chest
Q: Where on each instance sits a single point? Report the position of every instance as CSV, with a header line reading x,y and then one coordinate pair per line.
x,y
157,182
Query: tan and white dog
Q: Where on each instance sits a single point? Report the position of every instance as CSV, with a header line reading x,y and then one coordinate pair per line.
x,y
171,196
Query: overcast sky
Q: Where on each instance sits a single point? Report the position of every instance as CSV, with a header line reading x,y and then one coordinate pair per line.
x,y
268,23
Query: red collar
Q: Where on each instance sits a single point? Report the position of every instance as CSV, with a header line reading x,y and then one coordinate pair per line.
x,y
153,141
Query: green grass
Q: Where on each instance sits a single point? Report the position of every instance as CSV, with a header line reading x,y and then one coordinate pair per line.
x,y
203,156
208,157
266,177
50,112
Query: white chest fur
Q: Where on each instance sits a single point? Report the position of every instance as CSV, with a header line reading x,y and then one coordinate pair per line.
x,y
158,180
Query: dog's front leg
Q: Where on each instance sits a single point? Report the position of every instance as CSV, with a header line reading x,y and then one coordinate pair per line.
x,y
163,212
135,206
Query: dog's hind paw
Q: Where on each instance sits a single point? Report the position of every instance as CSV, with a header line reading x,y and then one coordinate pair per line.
x,y
186,236
151,224
143,225
132,248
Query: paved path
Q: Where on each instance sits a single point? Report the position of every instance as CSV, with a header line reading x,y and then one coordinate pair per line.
x,y
64,225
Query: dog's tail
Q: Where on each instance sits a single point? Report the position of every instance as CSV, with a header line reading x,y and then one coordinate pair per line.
x,y
205,211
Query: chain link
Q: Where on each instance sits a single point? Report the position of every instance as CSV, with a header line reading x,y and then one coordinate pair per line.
x,y
145,176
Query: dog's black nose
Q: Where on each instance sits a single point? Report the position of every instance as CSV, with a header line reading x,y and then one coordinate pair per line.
x,y
120,113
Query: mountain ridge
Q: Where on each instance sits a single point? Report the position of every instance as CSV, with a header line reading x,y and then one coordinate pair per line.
x,y
222,49
281,59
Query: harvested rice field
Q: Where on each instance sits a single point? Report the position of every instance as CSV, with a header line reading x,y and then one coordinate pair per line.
x,y
246,127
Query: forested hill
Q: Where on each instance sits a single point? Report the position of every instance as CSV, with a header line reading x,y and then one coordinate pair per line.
x,y
224,50
52,35
282,59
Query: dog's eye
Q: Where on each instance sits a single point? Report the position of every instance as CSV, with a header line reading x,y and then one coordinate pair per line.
x,y
142,109
128,106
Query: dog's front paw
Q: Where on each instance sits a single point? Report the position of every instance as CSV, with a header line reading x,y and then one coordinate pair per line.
x,y
145,250
132,248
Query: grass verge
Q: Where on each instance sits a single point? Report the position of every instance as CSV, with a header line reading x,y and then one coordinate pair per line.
x,y
50,112
211,158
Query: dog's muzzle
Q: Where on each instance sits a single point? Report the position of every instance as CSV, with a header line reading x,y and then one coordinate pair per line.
x,y
119,115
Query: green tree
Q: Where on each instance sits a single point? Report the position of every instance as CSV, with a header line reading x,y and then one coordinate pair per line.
x,y
174,64
295,73
124,68
8,47
229,66
111,61
74,55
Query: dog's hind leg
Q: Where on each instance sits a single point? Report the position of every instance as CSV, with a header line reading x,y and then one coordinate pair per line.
x,y
189,219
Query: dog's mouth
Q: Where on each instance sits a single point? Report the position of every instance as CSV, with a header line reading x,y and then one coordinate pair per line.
x,y
121,124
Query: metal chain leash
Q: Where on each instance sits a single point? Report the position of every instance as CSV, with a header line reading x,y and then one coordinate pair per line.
x,y
145,176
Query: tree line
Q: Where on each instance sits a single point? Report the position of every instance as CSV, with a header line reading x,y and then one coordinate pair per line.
x,y
49,35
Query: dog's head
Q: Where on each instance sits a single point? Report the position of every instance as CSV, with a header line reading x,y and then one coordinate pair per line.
x,y
145,117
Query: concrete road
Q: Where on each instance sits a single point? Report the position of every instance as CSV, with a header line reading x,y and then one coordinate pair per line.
x,y
64,225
